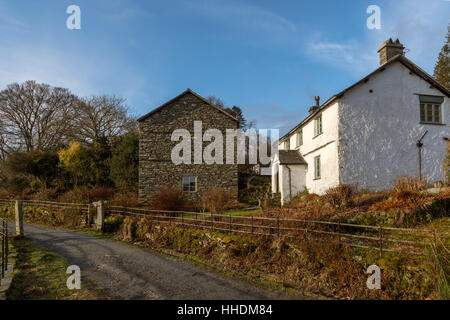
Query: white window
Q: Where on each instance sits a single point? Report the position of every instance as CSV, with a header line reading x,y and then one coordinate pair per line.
x,y
299,137
317,168
430,109
287,144
318,125
189,184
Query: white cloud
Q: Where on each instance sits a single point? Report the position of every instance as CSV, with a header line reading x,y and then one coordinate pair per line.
x,y
83,75
350,56
420,25
239,14
127,14
8,23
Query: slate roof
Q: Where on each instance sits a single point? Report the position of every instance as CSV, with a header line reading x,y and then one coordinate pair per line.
x,y
290,157
400,58
178,97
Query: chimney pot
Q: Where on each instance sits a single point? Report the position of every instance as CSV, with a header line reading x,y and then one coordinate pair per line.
x,y
315,107
390,49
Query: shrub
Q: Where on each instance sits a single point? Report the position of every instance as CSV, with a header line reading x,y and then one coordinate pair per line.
x,y
340,196
125,162
113,223
168,198
17,185
215,200
128,228
98,193
5,194
406,183
128,199
87,195
46,194
72,196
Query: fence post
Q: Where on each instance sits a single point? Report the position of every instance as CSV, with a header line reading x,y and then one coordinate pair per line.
x,y
100,215
230,224
339,233
19,218
252,224
3,257
89,217
278,226
381,241
6,240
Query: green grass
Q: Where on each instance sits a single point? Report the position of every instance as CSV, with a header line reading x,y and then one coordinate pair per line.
x,y
243,212
227,213
40,274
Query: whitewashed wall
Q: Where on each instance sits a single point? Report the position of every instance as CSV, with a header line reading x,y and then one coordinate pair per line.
x,y
296,179
324,145
298,173
379,131
275,169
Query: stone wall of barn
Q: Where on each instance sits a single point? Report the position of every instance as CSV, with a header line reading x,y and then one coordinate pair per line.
x,y
156,168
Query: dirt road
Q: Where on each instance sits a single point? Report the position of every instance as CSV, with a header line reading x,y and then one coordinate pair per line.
x,y
132,273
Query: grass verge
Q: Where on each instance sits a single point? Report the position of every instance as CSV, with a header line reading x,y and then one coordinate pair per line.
x,y
40,274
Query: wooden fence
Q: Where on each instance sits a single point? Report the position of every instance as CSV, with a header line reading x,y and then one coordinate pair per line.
x,y
4,247
380,237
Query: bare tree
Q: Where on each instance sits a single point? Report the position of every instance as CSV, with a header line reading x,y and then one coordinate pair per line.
x,y
216,101
35,116
103,116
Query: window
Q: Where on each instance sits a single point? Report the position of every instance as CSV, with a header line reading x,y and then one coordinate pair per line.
x,y
300,138
318,126
317,169
189,184
287,145
430,109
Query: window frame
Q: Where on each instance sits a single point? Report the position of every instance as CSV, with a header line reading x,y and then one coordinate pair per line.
x,y
299,138
430,109
426,108
287,144
189,185
317,168
318,126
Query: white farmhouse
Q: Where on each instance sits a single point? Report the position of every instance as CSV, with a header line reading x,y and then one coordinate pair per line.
x,y
367,135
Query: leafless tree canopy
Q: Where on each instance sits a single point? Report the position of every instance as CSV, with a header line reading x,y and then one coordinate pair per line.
x,y
35,116
102,116
216,101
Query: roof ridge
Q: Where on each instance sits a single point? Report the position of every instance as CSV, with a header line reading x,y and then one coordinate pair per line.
x,y
188,90
400,57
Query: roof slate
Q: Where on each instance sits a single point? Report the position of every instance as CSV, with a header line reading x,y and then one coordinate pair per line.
x,y
178,97
400,58
290,157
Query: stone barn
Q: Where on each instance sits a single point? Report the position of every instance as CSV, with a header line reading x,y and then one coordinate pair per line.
x,y
156,167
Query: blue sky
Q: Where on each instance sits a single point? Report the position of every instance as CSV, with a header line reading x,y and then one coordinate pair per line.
x,y
268,57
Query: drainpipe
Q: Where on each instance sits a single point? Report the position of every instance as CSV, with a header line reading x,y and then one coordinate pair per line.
x,y
419,147
290,185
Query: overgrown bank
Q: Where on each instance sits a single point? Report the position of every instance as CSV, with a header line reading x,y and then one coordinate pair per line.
x,y
304,264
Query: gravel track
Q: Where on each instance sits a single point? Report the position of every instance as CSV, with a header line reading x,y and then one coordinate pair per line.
x,y
133,273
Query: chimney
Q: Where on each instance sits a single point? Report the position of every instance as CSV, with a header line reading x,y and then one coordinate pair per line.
x,y
390,49
316,107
